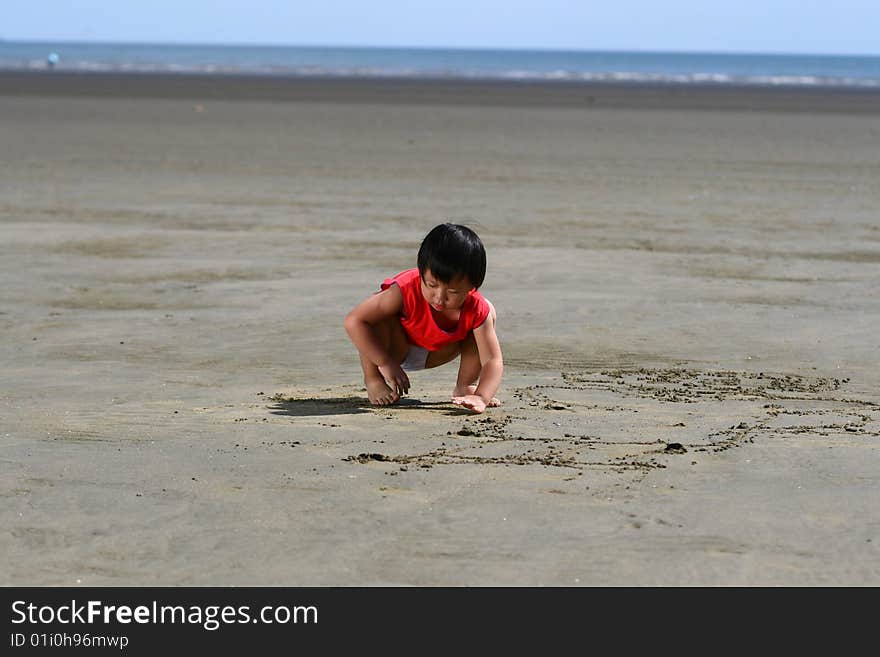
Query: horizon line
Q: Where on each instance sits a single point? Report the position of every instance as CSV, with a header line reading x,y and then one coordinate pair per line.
x,y
755,53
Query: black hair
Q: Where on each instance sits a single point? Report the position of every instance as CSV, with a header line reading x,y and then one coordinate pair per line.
x,y
450,251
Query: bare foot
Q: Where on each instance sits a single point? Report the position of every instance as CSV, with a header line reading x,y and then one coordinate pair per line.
x,y
464,391
468,391
379,393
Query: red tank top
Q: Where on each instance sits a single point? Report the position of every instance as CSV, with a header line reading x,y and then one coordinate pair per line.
x,y
418,323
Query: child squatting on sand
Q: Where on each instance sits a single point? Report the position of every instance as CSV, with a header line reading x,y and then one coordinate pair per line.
x,y
426,317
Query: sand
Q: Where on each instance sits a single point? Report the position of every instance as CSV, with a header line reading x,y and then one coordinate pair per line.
x,y
688,308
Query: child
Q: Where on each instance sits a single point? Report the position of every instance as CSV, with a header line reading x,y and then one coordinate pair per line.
x,y
426,317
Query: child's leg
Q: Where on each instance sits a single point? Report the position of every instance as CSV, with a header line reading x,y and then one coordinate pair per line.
x,y
468,368
392,338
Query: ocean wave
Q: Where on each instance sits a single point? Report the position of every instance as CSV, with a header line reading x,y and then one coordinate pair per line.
x,y
626,77
695,78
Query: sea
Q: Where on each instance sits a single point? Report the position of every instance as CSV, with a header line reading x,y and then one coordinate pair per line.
x,y
675,68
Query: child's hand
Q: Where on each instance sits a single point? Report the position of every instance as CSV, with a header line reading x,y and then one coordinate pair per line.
x,y
474,402
396,378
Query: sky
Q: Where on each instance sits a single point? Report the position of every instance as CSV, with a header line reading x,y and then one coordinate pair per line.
x,y
845,27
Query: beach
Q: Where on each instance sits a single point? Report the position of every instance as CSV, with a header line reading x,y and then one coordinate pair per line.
x,y
686,283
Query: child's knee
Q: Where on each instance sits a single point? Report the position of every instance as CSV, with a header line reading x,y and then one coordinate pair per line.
x,y
445,355
468,346
389,330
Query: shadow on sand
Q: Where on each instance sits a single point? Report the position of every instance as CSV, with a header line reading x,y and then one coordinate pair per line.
x,y
317,406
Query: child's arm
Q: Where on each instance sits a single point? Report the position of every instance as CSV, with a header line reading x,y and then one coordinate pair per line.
x,y
491,364
359,325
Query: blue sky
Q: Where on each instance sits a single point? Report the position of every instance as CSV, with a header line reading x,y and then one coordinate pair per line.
x,y
767,26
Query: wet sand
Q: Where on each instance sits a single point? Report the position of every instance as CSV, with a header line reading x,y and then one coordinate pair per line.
x,y
688,307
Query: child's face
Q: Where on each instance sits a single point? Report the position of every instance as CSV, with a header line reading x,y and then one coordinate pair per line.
x,y
445,296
